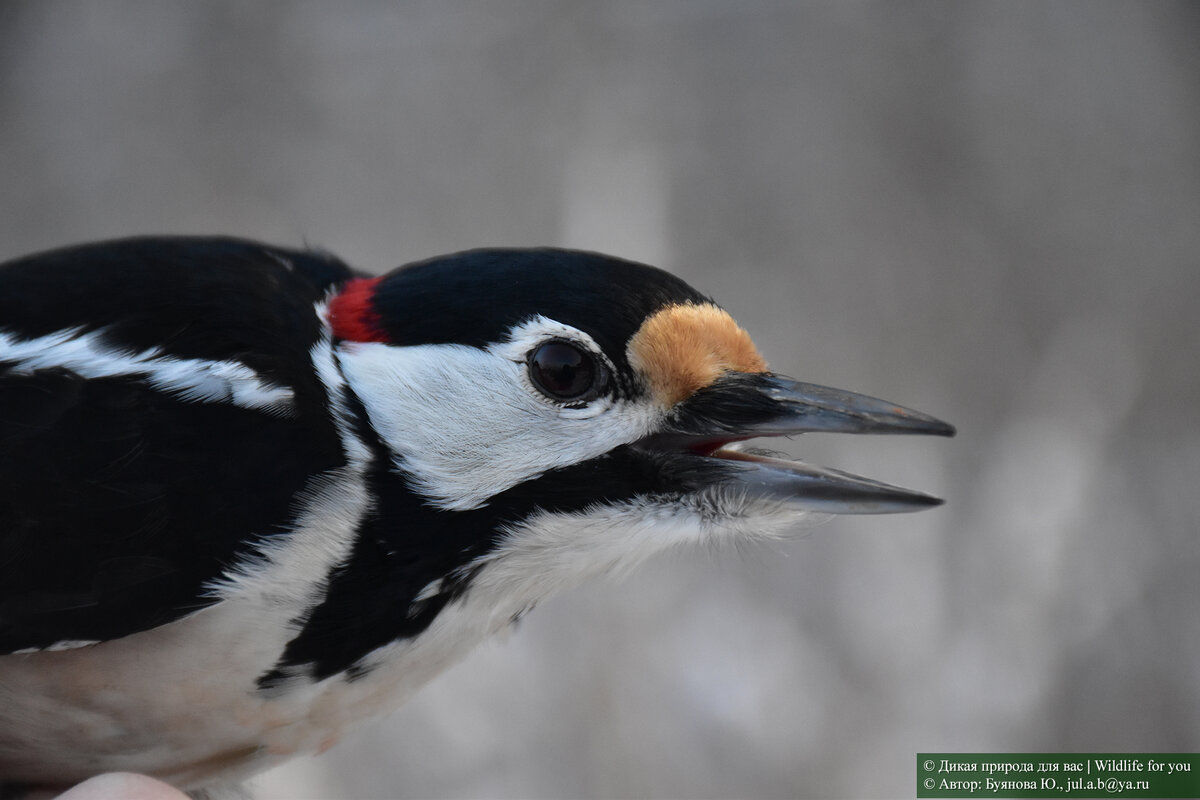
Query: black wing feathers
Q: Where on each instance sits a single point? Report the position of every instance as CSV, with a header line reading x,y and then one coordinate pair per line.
x,y
118,501
210,298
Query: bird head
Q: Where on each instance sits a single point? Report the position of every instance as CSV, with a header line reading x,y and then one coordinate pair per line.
x,y
588,411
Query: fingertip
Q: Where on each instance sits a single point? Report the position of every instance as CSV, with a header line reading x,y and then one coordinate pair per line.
x,y
122,786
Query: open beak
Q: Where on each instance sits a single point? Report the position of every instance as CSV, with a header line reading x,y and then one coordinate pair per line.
x,y
740,406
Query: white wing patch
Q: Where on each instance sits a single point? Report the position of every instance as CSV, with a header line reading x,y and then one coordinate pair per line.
x,y
196,380
65,644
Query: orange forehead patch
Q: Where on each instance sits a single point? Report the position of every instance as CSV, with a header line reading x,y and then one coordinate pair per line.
x,y
682,348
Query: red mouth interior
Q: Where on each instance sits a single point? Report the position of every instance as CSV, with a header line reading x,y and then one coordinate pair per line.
x,y
709,447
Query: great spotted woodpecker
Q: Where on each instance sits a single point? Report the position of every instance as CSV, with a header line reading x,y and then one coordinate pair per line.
x,y
248,497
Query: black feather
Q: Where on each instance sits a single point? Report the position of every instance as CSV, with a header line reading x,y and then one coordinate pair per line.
x,y
118,502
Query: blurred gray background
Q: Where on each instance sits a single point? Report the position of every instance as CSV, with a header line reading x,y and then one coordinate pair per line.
x,y
988,211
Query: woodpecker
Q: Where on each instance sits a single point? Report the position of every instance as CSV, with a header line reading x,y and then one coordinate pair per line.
x,y
249,496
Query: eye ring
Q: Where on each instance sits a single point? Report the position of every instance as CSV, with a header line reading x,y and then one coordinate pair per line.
x,y
566,373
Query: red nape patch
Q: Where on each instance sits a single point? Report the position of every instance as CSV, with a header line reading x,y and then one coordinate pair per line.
x,y
351,315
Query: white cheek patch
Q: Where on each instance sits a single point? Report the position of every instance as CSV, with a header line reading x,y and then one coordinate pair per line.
x,y
466,423
191,379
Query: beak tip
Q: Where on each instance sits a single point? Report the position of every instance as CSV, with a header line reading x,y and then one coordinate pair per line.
x,y
945,429
907,500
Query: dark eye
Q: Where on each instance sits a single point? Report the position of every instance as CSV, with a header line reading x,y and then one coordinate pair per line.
x,y
564,372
